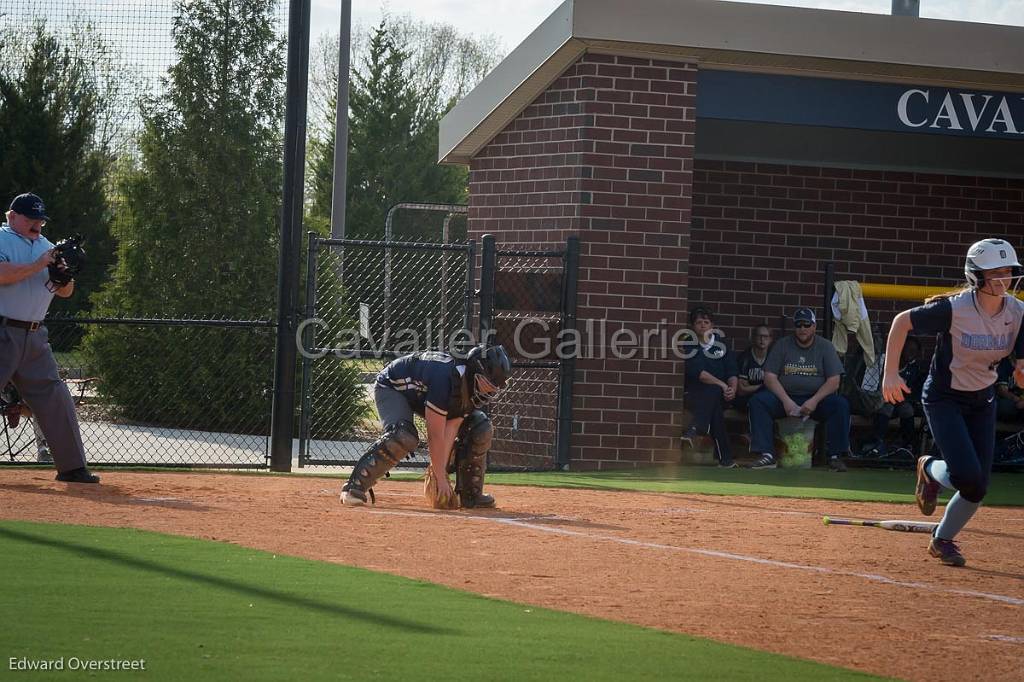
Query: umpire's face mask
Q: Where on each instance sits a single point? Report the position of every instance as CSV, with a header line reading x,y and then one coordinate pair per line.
x,y
484,391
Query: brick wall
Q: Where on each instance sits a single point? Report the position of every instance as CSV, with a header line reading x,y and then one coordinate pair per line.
x,y
762,234
606,153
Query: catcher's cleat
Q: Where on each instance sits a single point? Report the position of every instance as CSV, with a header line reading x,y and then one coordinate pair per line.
x,y
354,496
927,491
478,501
946,551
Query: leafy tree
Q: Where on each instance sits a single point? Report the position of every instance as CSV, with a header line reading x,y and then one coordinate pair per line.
x,y
198,238
406,75
50,106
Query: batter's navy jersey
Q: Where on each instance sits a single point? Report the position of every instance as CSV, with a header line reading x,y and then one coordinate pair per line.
x,y
428,381
970,343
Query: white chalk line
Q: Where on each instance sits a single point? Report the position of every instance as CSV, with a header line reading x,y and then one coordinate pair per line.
x,y
873,577
1004,638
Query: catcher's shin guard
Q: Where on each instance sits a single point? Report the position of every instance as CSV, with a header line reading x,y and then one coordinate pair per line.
x,y
386,452
471,464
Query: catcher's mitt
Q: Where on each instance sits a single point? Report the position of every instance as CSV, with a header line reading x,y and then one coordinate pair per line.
x,y
68,259
434,497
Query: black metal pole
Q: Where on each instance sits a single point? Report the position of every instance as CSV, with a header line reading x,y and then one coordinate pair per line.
x,y
308,343
467,306
830,285
282,421
488,266
567,365
821,457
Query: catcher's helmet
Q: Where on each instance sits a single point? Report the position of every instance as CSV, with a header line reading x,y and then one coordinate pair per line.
x,y
989,254
487,369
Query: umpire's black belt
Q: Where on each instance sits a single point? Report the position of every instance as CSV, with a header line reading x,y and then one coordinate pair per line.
x,y
21,324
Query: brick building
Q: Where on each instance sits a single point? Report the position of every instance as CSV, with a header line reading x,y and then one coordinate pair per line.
x,y
723,153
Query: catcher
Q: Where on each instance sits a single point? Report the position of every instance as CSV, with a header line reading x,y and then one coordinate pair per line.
x,y
32,271
449,393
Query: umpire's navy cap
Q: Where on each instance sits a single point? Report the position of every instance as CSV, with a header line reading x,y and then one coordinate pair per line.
x,y
30,206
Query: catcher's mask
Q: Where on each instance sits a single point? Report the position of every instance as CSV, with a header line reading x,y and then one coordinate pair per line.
x,y
487,369
991,254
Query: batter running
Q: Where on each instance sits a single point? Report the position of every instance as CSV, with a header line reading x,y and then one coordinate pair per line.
x,y
975,329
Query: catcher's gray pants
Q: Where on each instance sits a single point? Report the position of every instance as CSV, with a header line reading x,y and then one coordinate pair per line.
x,y
27,361
392,407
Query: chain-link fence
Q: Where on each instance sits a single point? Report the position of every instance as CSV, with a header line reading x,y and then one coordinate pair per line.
x,y
525,306
159,392
128,46
367,303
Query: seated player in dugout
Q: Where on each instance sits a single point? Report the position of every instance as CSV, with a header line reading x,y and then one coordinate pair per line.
x,y
750,365
1009,396
710,385
913,374
450,394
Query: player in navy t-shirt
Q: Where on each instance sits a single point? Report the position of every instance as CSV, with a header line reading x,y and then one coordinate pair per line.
x,y
975,329
449,393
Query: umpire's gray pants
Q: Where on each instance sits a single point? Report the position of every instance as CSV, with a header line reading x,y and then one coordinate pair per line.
x,y
27,361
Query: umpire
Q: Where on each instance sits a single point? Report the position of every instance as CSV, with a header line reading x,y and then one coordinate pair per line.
x,y
25,356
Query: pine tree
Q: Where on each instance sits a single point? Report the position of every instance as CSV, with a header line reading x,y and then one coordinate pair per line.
x,y
392,149
49,107
199,234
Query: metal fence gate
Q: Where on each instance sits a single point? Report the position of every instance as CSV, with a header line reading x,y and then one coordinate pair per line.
x,y
528,304
368,302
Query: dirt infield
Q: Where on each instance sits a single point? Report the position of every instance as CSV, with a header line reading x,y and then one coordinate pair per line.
x,y
757,572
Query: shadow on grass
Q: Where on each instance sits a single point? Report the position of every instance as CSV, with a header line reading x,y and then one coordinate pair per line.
x,y
232,585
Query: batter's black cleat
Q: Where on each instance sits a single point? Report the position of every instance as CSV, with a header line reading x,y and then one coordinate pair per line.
x,y
80,475
946,551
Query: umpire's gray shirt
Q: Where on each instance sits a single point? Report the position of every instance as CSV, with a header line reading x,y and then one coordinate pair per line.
x,y
29,299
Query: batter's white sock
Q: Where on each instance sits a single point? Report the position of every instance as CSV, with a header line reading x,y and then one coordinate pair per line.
x,y
958,512
937,469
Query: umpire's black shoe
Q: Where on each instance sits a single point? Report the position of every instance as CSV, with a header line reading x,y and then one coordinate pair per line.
x,y
80,475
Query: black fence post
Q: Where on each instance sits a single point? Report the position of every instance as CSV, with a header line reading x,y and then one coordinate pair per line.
x,y
830,285
567,364
467,306
821,457
308,344
488,269
282,421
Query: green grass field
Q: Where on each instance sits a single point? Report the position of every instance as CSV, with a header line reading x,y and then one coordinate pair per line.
x,y
213,611
856,485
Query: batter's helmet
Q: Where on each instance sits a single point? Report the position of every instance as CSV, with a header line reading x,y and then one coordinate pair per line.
x,y
989,254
